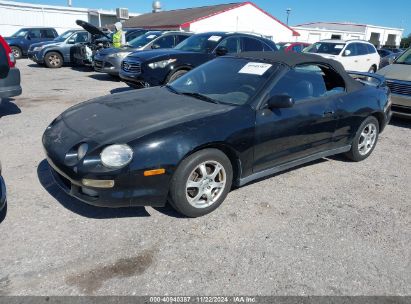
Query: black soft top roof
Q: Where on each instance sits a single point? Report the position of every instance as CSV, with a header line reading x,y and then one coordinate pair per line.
x,y
294,59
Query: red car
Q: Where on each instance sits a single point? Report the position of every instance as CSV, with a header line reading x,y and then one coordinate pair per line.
x,y
295,47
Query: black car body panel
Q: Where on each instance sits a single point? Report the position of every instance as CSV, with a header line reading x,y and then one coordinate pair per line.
x,y
3,198
163,127
183,60
10,86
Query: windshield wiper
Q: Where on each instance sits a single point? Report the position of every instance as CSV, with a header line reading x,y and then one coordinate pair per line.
x,y
200,96
170,88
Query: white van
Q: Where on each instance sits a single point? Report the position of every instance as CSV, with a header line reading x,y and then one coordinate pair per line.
x,y
354,55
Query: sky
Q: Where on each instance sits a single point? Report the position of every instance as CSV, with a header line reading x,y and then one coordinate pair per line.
x,y
374,12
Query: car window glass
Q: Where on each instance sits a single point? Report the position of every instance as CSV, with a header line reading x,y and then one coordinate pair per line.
x,y
362,49
252,45
308,82
180,38
35,33
165,42
352,48
371,49
297,48
47,33
81,37
231,44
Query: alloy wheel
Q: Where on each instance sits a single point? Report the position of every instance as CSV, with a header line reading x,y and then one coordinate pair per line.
x,y
205,184
367,139
54,60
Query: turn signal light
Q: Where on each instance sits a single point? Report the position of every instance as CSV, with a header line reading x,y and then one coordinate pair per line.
x,y
154,172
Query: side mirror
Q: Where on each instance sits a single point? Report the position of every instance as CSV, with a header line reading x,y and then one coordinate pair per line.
x,y
155,46
280,101
221,51
347,53
71,41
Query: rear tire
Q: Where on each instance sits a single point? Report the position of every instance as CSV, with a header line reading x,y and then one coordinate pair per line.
x,y
53,60
365,140
201,183
176,75
18,54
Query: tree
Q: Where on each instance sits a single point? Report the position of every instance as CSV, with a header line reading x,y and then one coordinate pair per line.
x,y
406,42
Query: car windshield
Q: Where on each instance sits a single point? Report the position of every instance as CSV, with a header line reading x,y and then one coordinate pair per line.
x,y
144,39
202,43
331,48
227,80
64,36
20,33
405,58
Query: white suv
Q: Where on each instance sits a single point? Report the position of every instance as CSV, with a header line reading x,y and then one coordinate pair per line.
x,y
354,55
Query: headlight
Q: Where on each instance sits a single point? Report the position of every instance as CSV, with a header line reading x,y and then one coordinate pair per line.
x,y
38,48
120,55
161,64
116,156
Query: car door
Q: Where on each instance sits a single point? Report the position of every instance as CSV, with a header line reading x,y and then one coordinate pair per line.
x,y
69,47
307,128
364,60
33,36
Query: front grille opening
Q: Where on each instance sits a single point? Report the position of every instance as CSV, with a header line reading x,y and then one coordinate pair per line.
x,y
89,192
399,109
399,88
130,66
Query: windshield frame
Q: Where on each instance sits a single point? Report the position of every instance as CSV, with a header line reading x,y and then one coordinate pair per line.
x,y
253,99
20,30
406,54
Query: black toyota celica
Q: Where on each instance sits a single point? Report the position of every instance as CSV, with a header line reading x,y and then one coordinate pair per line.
x,y
228,122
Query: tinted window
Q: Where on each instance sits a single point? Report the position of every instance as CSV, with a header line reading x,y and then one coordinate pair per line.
x,y
231,44
253,45
371,49
47,33
80,37
352,48
326,48
35,33
201,43
362,49
309,81
144,39
165,42
181,38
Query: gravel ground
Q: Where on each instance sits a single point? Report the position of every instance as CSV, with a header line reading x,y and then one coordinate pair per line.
x,y
331,227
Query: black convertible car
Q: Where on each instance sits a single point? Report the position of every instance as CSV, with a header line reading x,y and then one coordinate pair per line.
x,y
233,120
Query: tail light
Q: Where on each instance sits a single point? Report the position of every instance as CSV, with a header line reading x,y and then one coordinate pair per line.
x,y
11,59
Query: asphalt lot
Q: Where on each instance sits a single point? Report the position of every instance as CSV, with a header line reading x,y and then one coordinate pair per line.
x,y
328,228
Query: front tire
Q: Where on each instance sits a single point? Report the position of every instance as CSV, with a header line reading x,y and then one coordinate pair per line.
x,y
365,140
176,75
17,53
53,60
201,183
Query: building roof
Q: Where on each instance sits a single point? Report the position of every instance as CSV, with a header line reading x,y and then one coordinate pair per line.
x,y
182,18
335,26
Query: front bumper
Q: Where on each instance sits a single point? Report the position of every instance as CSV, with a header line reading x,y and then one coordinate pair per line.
x,y
147,194
10,86
2,193
401,105
107,65
34,56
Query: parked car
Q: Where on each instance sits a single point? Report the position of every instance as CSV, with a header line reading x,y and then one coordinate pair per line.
x,y
389,59
384,52
133,33
230,121
158,67
53,54
9,74
109,60
354,55
25,37
3,198
398,77
296,47
83,53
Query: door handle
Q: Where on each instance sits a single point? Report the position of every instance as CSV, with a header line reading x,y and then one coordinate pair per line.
x,y
328,113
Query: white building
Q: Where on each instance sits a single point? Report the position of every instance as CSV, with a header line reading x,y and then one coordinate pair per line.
x,y
15,15
378,35
232,17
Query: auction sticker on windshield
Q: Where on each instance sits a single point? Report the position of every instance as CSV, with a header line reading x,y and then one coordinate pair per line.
x,y
255,68
215,38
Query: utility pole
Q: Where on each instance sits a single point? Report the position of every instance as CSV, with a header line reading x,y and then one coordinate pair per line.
x,y
288,11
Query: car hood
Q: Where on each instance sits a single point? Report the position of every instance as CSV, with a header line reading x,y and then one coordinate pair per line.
x,y
124,117
91,28
396,71
52,42
166,53
110,51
